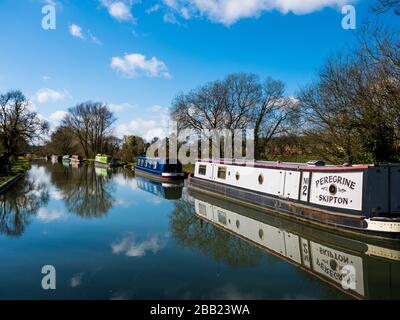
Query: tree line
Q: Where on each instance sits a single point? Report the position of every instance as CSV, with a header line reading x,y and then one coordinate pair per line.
x,y
86,129
350,113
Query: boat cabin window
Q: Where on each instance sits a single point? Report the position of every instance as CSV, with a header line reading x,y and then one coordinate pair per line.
x,y
237,176
222,217
237,224
202,170
221,173
202,209
261,234
155,165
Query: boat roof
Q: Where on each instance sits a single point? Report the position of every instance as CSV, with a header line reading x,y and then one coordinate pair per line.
x,y
312,165
159,160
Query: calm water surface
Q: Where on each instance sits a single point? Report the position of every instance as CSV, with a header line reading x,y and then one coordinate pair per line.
x,y
113,236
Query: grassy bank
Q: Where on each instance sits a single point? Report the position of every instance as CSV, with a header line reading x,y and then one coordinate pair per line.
x,y
21,165
16,168
5,179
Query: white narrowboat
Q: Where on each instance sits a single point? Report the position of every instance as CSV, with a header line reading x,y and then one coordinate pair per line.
x,y
360,198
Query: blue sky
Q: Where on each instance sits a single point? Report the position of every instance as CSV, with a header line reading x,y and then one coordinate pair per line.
x,y
138,55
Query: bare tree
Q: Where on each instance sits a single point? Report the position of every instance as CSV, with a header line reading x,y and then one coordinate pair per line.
x,y
272,114
202,108
349,111
383,6
91,123
19,124
239,101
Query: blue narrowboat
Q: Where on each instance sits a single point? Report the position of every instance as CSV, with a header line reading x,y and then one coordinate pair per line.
x,y
158,168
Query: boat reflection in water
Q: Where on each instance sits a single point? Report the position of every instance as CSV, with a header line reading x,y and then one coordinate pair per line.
x,y
358,268
101,172
76,164
165,190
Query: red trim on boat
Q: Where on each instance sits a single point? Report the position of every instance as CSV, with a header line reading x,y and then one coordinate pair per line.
x,y
288,166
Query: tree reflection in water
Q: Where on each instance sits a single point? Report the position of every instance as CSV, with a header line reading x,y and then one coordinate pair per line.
x,y
20,203
86,190
191,231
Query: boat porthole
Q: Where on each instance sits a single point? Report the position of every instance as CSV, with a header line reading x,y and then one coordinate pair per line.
x,y
237,175
260,178
261,234
237,224
332,189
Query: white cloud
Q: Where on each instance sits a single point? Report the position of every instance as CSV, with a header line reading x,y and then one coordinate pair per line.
x,y
32,105
58,115
157,109
153,8
125,182
94,39
135,64
131,248
170,18
45,215
76,31
119,10
48,95
54,3
228,12
147,129
56,194
154,122
118,107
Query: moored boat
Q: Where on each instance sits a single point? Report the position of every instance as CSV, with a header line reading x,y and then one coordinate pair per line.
x,y
55,158
160,169
105,160
76,158
362,199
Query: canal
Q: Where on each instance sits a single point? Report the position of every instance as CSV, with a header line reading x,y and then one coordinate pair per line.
x,y
110,235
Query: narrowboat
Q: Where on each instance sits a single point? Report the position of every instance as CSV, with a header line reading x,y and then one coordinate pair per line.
x,y
105,160
160,169
76,158
55,158
363,269
361,199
